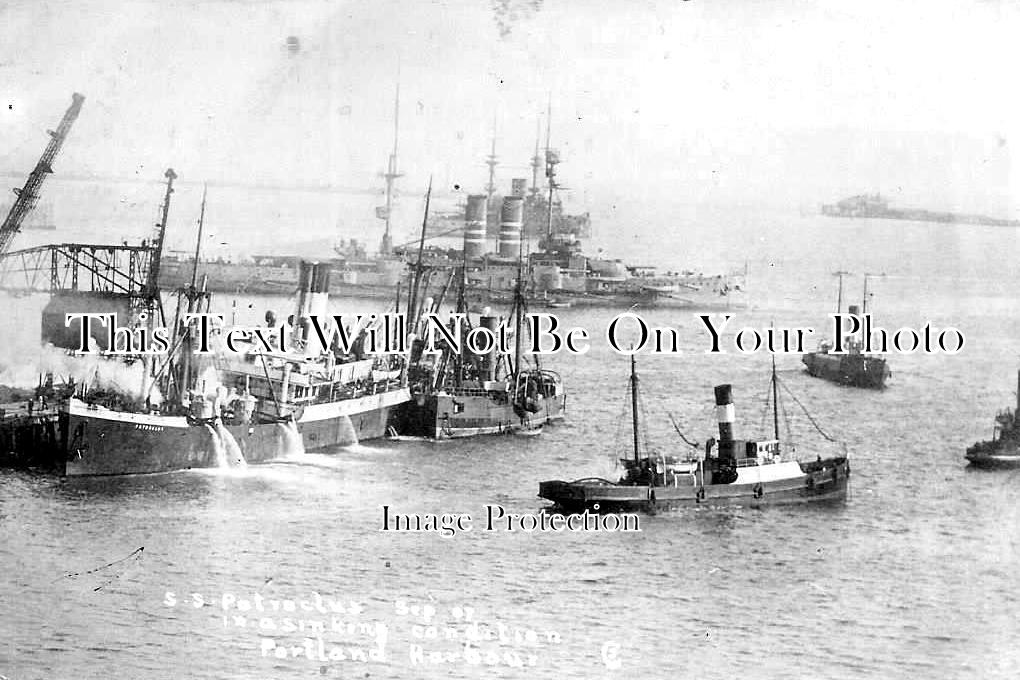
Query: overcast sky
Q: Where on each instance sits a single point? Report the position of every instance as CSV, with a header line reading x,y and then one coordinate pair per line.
x,y
716,101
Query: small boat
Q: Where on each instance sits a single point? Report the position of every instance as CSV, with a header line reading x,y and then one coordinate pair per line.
x,y
532,431
1003,450
731,472
854,368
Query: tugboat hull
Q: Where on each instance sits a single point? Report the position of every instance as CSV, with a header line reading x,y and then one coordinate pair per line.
x,y
854,370
780,484
99,441
990,456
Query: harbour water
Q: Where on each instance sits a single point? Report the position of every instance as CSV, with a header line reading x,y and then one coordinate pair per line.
x,y
913,576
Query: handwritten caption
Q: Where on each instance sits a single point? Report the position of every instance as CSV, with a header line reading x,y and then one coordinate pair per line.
x,y
325,629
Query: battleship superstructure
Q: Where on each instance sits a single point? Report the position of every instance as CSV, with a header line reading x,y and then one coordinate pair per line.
x,y
558,270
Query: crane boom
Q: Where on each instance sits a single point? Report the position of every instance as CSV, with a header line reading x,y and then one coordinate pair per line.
x,y
28,195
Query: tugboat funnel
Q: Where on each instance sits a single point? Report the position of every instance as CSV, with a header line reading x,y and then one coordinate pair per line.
x,y
724,412
318,301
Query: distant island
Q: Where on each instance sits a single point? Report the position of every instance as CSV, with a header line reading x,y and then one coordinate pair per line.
x,y
874,206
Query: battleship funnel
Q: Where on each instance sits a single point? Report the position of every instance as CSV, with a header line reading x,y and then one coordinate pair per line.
x,y
474,229
511,223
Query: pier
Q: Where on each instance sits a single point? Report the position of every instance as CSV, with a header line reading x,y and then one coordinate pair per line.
x,y
29,435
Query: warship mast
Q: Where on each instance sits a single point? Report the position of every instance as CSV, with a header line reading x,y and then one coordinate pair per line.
x,y
552,159
492,161
536,161
391,175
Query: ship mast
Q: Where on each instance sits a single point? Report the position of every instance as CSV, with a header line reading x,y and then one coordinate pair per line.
x,y
198,241
391,175
492,161
551,159
152,289
412,305
518,317
839,295
864,302
775,399
634,404
536,160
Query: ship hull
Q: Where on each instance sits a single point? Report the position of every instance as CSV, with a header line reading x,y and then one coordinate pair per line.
x,y
815,482
853,370
693,301
707,300
446,416
102,442
994,456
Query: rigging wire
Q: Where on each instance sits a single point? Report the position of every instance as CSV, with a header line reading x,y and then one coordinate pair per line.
x,y
809,417
682,436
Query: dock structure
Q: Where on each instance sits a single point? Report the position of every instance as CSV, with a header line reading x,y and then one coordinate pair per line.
x,y
29,435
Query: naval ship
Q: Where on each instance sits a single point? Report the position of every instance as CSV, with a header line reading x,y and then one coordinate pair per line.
x,y
558,269
560,273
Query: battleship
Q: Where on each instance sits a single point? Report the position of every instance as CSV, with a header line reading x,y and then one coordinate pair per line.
x,y
557,269
731,472
875,206
854,368
1003,449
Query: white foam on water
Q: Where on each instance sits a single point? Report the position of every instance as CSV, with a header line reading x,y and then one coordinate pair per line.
x,y
218,448
293,443
350,434
319,460
358,447
228,452
234,455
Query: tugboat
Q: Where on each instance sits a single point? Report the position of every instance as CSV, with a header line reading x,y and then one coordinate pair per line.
x,y
1003,451
855,368
732,472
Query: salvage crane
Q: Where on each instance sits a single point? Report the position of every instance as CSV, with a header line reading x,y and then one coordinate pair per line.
x,y
28,195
